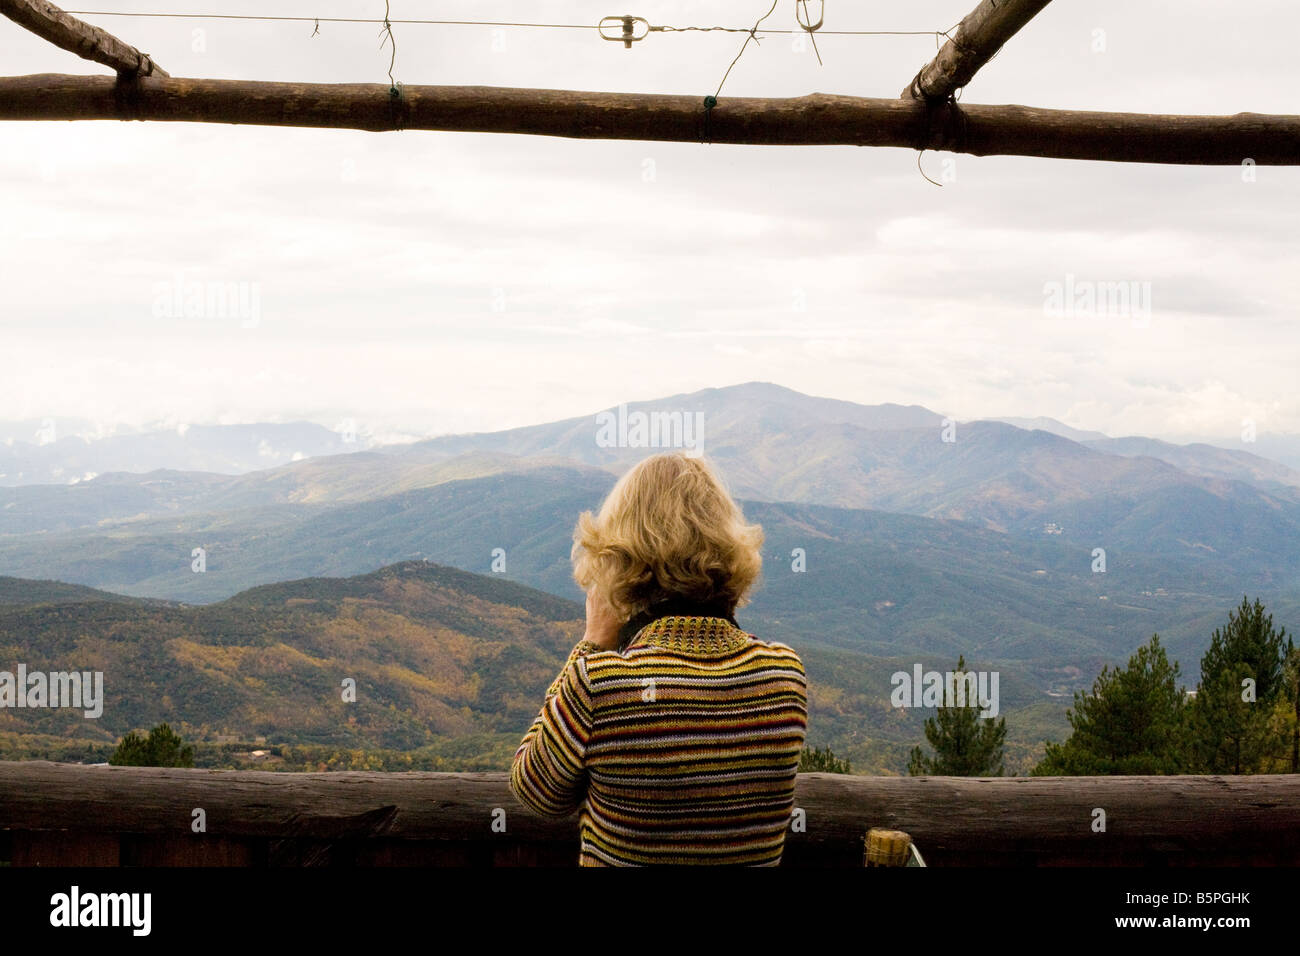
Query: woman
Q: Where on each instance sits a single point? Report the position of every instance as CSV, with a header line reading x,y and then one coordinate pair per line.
x,y
676,732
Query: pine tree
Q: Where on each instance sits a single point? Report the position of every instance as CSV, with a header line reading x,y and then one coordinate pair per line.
x,y
1131,723
1249,638
1242,677
822,761
965,744
1230,731
1289,707
161,748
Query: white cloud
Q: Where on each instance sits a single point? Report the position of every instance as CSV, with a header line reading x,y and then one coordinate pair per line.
x,y
424,282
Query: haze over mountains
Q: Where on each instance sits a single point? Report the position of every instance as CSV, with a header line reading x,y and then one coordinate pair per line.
x,y
918,536
54,451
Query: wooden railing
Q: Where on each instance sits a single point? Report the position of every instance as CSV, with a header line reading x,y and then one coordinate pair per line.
x,y
66,814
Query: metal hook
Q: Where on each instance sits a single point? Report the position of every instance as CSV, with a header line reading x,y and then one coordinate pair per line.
x,y
629,32
810,27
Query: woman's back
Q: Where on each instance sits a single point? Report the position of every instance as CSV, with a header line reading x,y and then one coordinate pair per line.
x,y
689,738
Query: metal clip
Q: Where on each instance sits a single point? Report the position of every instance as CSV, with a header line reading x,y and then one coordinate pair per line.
x,y
628,25
810,27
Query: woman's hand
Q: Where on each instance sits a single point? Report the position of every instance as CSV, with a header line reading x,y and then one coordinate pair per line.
x,y
602,623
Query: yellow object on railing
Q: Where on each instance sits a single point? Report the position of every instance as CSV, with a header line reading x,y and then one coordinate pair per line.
x,y
883,847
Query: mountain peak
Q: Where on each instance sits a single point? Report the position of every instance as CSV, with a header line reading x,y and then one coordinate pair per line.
x,y
1045,424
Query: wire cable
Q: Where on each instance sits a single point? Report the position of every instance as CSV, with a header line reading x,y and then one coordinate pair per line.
x,y
491,23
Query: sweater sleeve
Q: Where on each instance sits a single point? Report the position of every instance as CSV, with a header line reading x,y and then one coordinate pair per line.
x,y
548,774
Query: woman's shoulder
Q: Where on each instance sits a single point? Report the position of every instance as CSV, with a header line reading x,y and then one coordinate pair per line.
x,y
777,648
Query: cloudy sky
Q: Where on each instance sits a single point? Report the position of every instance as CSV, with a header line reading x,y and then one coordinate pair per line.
x,y
426,282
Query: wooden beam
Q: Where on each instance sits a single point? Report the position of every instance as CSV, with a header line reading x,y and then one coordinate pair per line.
x,y
978,38
814,120
297,817
64,30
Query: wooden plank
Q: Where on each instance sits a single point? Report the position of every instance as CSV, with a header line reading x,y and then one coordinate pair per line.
x,y
39,795
367,818
52,848
189,850
816,120
978,38
1036,821
76,36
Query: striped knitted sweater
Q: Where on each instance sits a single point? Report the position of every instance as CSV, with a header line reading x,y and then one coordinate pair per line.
x,y
682,747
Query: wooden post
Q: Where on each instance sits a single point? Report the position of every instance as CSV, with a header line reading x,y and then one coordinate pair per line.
x,y
978,38
814,120
64,30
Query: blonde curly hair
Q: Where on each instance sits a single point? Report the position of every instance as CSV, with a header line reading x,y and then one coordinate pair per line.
x,y
668,529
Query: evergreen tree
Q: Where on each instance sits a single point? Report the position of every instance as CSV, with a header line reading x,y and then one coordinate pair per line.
x,y
965,744
1249,638
1230,731
822,761
1131,723
1287,712
1231,720
1290,705
161,748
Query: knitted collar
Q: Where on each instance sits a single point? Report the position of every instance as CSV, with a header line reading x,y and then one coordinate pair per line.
x,y
683,625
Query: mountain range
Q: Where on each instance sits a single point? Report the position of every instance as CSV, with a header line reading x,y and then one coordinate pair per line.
x,y
893,533
448,669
